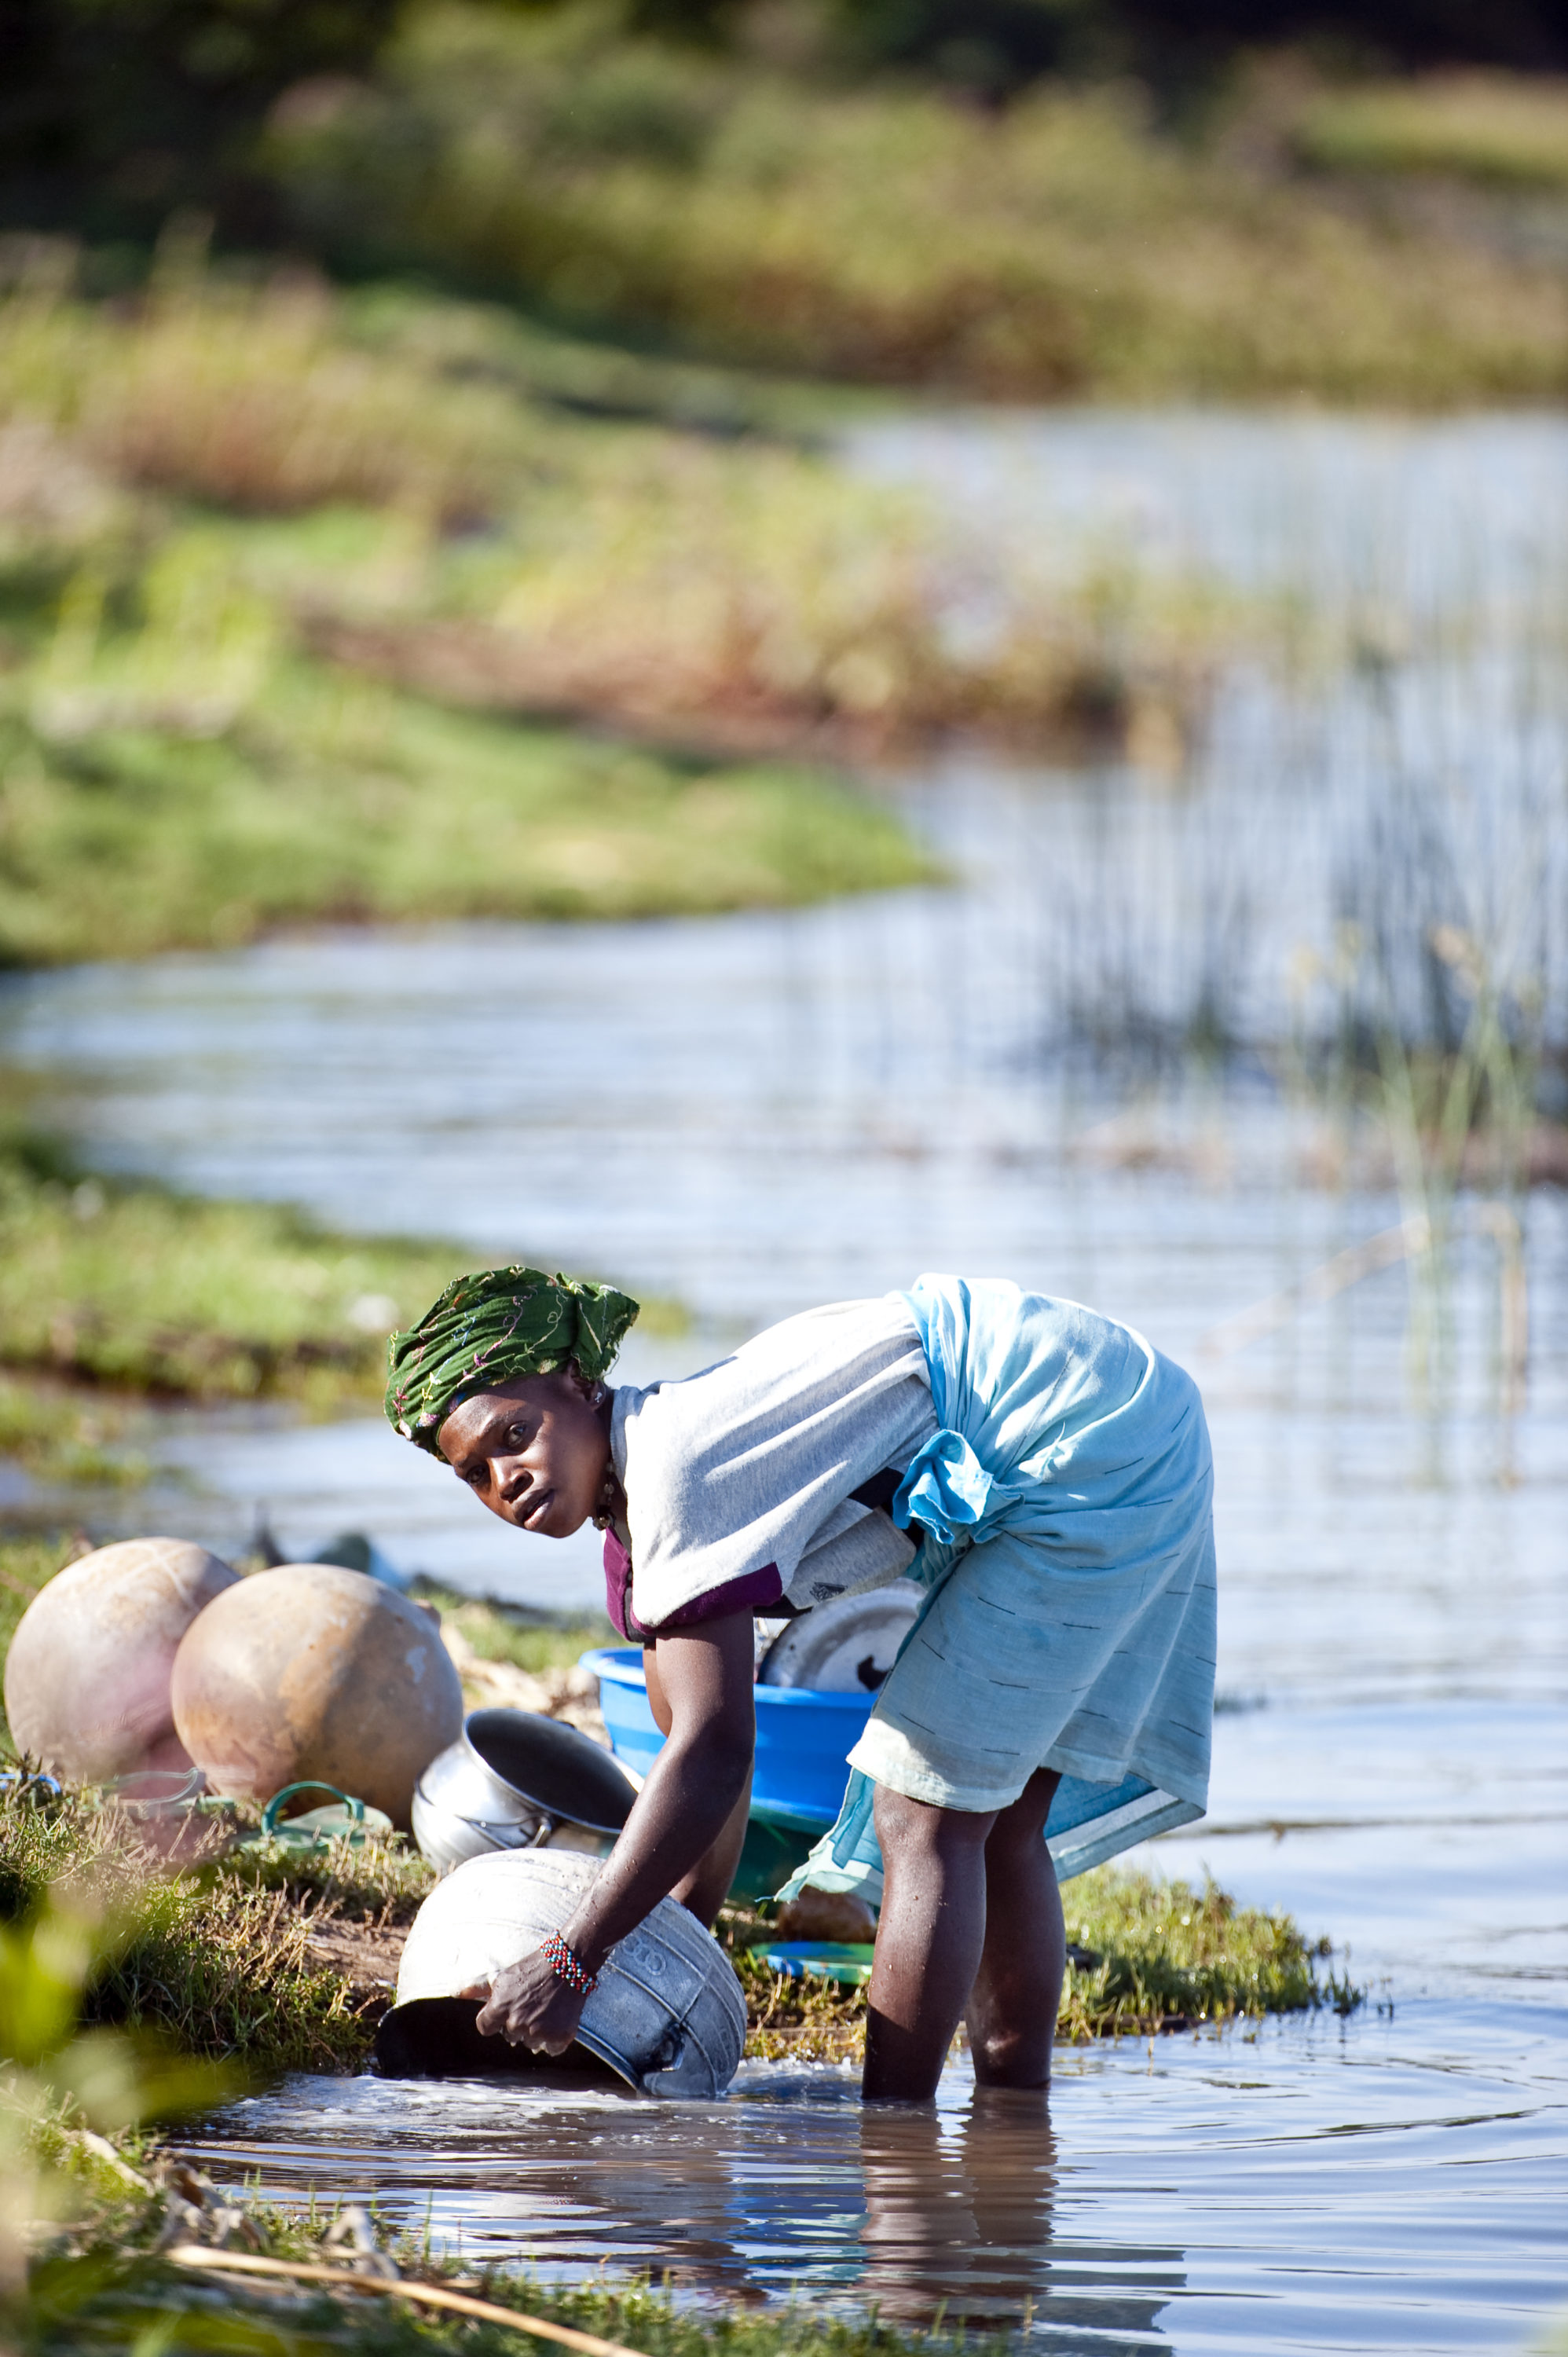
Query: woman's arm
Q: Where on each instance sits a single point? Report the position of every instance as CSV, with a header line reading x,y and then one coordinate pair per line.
x,y
700,1688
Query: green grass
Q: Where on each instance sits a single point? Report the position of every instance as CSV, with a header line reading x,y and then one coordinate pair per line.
x,y
344,802
176,776
108,2297
1148,1955
882,235
136,1289
215,1960
24,1566
1170,1956
56,1435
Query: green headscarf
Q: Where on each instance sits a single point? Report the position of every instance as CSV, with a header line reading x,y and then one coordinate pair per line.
x,y
490,1328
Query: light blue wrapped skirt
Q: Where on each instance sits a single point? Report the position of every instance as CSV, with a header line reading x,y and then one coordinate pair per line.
x,y
1065,1516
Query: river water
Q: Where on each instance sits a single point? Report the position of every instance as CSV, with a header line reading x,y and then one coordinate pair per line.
x,y
757,1113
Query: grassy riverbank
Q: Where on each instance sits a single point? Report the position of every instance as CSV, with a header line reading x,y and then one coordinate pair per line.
x,y
139,1292
258,1957
263,1959
307,603
212,726
112,2294
1067,245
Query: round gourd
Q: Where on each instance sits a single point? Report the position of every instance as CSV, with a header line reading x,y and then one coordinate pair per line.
x,y
87,1676
311,1672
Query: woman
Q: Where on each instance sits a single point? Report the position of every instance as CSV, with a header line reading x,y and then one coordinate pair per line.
x,y
1040,1470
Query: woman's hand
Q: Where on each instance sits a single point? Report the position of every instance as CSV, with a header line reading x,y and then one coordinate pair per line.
x,y
528,2004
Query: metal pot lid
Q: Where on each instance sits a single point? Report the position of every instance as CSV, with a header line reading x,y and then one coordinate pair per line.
x,y
844,1647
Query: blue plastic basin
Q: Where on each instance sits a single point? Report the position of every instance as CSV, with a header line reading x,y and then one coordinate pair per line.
x,y
804,1739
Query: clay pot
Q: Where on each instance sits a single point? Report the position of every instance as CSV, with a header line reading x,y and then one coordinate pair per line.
x,y
312,1671
87,1678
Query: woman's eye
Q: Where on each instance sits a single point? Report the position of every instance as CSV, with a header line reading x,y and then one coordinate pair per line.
x,y
517,1433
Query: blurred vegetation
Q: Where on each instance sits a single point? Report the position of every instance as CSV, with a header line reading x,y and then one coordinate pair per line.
x,y
1023,198
63,2087
180,767
140,1290
1065,245
113,1291
115,107
54,1434
260,546
1497,129
523,1640
112,110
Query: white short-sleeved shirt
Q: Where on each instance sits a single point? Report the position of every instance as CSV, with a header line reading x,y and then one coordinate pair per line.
x,y
738,1480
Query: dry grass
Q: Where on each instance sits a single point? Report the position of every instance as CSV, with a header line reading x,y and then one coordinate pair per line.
x,y
250,399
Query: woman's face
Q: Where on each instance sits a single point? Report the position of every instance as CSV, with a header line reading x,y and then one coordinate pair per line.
x,y
533,1451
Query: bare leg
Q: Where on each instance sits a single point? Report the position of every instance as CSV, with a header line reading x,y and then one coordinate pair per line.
x,y
928,1942
705,1889
1012,2011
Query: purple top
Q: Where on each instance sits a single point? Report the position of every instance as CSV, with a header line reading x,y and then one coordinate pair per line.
x,y
752,1590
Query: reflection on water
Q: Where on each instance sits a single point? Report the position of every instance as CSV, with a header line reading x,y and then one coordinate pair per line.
x,y
1392,2183
790,1108
791,2186
959,2215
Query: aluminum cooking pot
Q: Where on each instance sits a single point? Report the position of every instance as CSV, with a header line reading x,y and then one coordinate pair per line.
x,y
844,1647
668,2015
516,1780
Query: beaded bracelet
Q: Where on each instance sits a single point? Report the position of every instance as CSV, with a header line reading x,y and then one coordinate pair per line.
x,y
568,1967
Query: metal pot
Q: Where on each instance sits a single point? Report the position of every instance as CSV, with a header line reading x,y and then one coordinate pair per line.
x,y
844,1647
668,2015
516,1780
